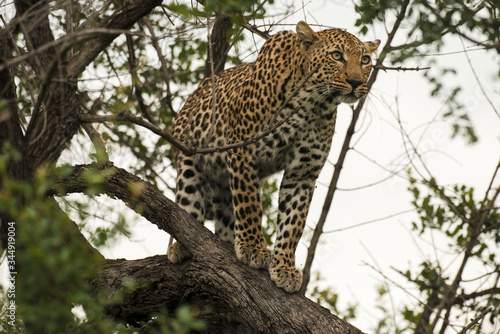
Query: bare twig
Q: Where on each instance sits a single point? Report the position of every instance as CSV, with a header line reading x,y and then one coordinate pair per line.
x,y
396,284
166,14
345,148
72,39
264,34
370,221
163,63
393,173
212,80
126,116
430,181
475,320
484,213
495,46
132,62
385,283
464,297
477,79
399,68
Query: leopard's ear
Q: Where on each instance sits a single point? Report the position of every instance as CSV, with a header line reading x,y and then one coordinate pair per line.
x,y
307,36
372,46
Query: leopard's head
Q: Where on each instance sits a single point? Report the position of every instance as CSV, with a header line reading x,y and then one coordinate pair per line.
x,y
339,62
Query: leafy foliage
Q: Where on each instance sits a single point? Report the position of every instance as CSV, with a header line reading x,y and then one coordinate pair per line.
x,y
469,231
328,298
185,322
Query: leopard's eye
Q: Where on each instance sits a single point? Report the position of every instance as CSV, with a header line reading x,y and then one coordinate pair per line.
x,y
337,55
365,59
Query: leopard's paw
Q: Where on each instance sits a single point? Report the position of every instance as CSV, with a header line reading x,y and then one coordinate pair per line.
x,y
286,277
177,253
256,256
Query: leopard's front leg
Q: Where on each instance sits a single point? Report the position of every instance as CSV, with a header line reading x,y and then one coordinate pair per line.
x,y
250,245
294,200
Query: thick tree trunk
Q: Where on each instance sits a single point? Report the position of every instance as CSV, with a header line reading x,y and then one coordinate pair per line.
x,y
246,296
213,277
217,52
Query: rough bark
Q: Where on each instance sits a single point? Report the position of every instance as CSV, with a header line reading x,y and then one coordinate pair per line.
x,y
10,128
213,277
217,52
246,296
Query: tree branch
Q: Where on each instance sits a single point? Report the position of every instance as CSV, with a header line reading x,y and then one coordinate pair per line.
x,y
126,116
67,41
218,46
10,124
252,28
126,17
166,74
475,320
213,276
34,24
465,297
399,68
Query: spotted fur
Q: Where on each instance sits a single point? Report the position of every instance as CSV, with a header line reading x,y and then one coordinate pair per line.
x,y
299,78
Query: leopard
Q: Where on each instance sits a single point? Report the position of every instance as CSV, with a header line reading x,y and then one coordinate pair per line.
x,y
276,114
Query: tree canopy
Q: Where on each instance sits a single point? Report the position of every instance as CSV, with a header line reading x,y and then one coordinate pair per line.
x,y
88,94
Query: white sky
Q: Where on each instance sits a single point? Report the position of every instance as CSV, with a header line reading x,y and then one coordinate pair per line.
x,y
388,243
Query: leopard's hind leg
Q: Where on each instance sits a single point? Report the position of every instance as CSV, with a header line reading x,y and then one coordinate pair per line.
x,y
189,196
224,213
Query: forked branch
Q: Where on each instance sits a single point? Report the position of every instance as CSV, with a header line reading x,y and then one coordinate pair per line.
x,y
214,275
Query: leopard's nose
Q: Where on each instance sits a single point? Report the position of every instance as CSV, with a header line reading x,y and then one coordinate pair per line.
x,y
354,83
